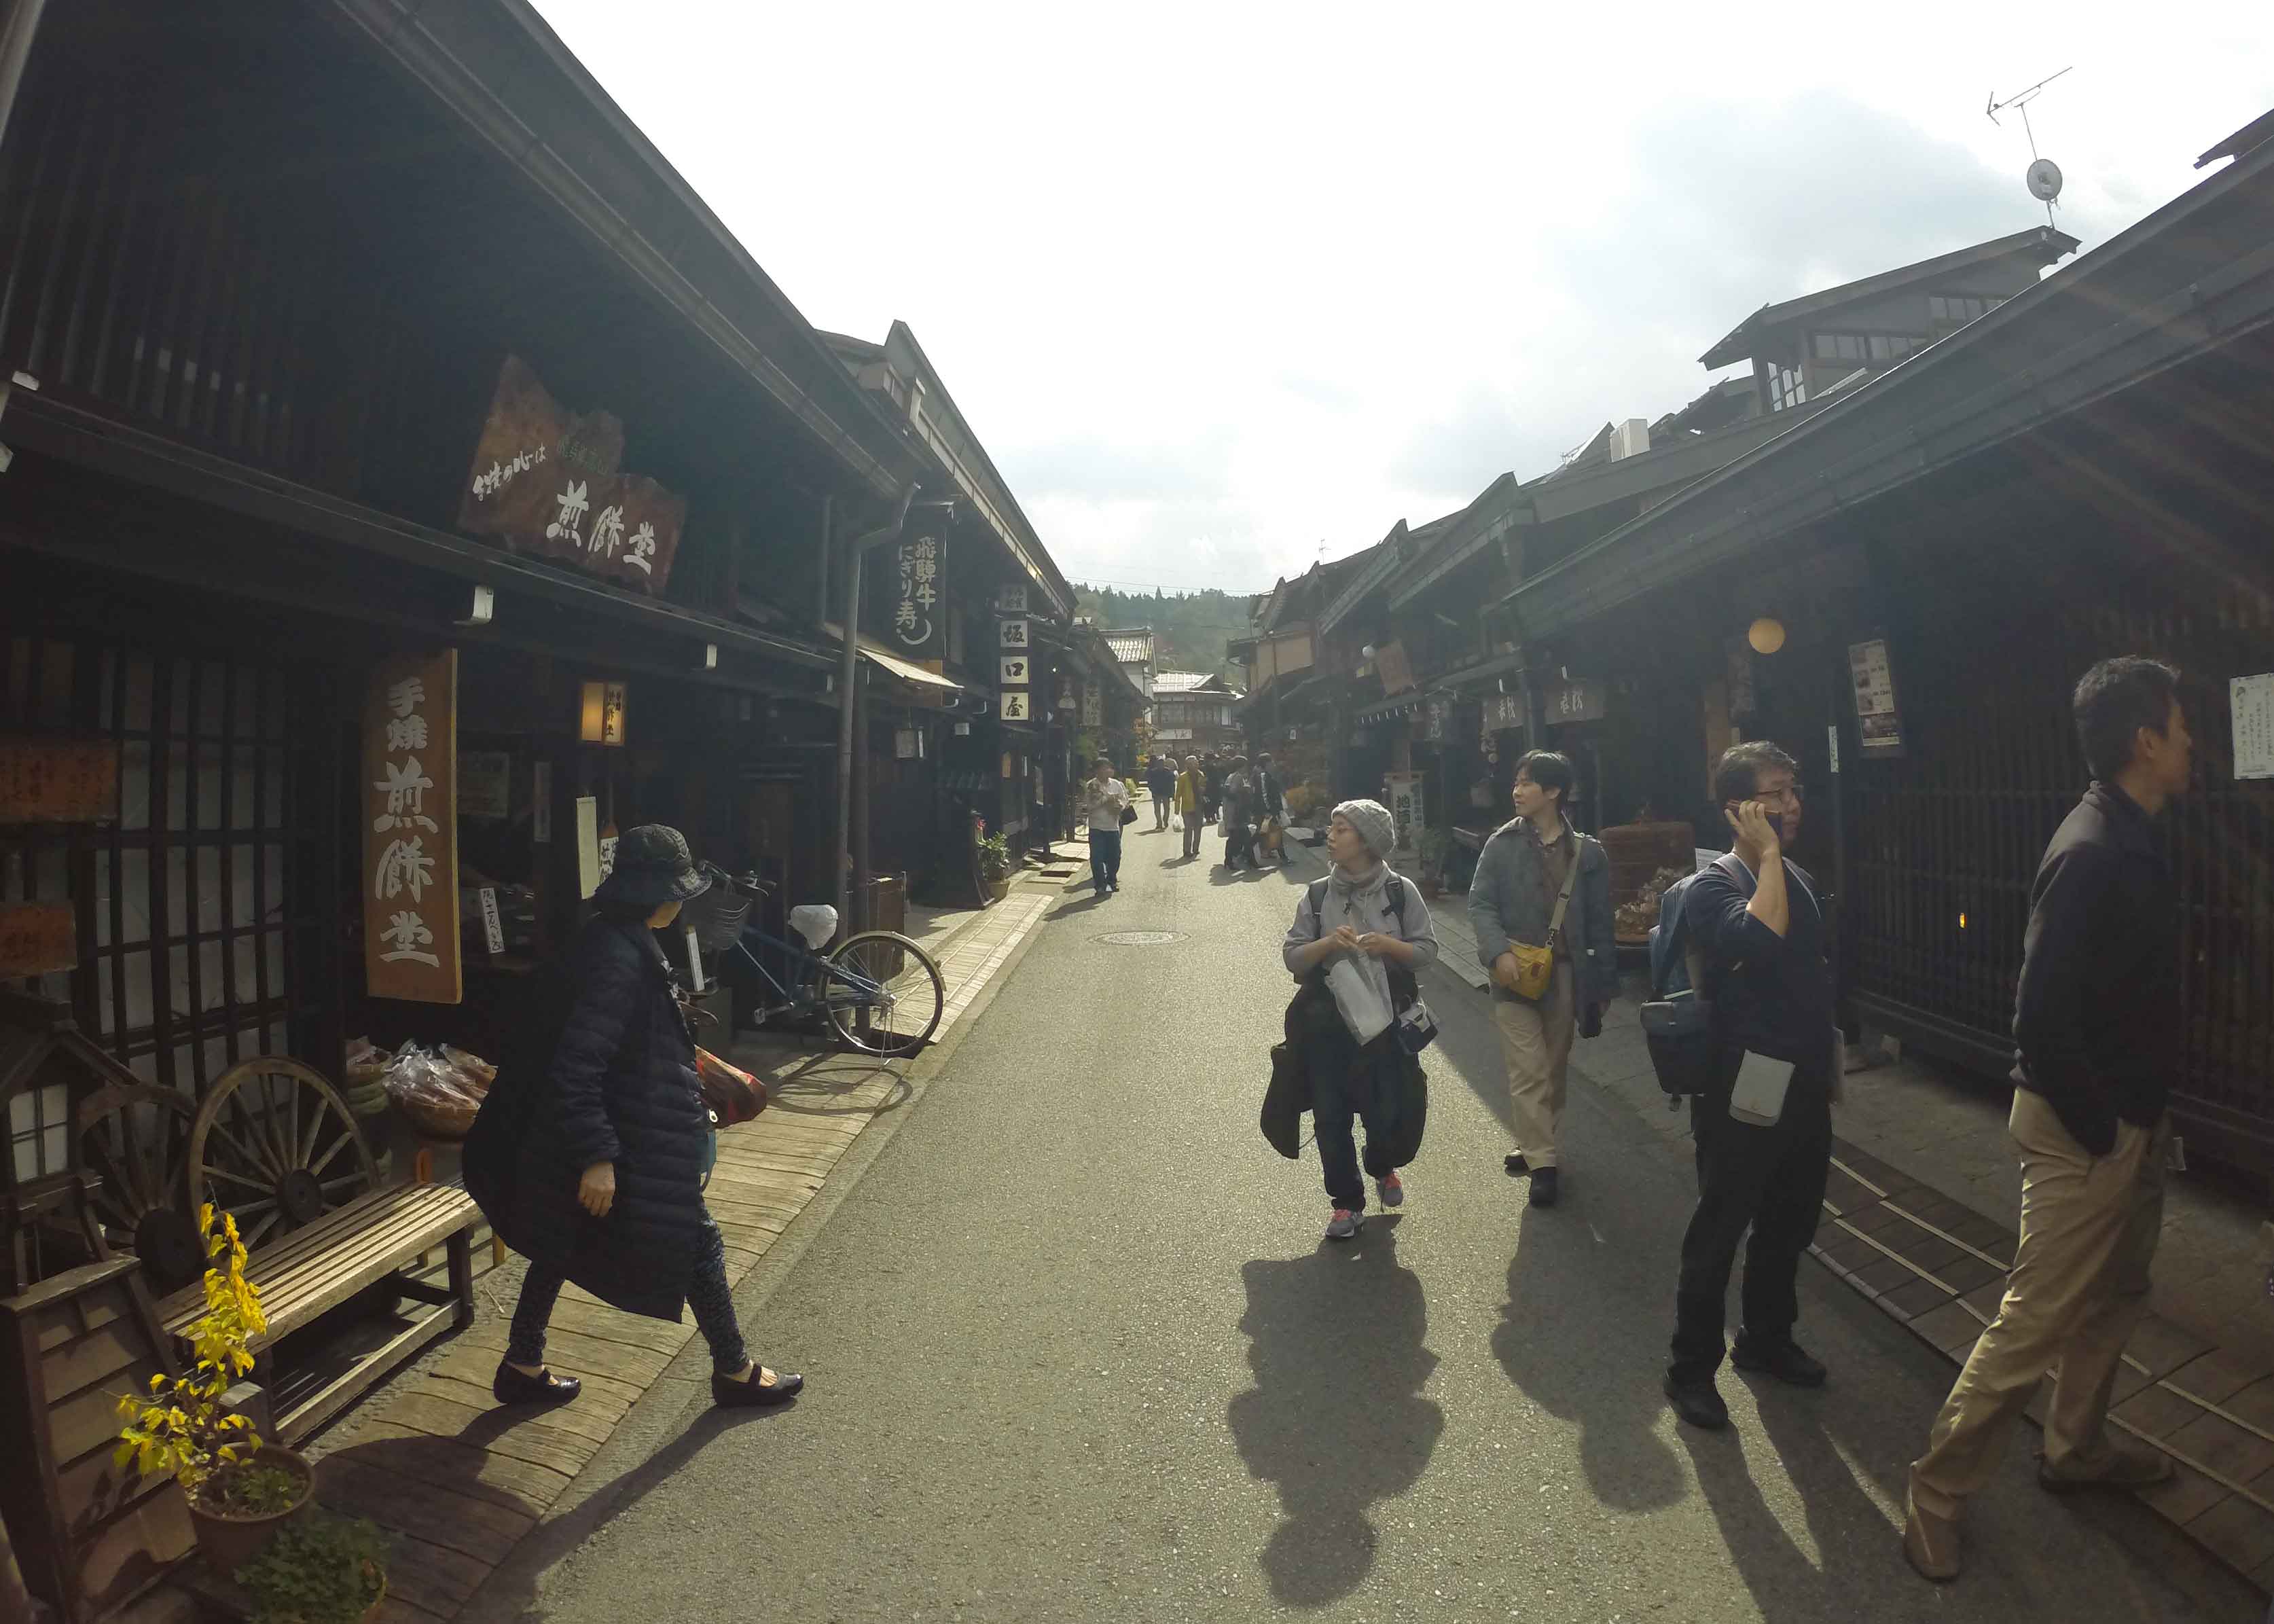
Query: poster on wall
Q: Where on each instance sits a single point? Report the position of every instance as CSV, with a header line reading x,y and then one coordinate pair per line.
x,y
1879,725
2251,700
409,806
485,784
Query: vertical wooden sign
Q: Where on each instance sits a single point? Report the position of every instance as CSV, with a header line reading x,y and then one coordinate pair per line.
x,y
409,806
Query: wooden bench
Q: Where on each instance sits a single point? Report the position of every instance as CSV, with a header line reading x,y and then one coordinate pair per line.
x,y
377,1238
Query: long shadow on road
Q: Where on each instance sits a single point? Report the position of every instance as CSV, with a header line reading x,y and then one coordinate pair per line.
x,y
1335,1419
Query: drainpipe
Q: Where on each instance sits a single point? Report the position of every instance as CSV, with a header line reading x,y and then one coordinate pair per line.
x,y
828,551
847,668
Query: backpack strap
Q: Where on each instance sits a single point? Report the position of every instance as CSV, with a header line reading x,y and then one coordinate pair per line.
x,y
1318,894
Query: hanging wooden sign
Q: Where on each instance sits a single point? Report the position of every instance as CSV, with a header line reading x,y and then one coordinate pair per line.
x,y
909,598
549,482
58,780
410,807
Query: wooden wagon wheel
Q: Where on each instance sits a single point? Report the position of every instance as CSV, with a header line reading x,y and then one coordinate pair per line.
x,y
275,1146
136,1137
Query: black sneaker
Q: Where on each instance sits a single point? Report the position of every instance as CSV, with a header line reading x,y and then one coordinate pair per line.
x,y
1516,1166
1697,1402
1546,1186
1788,1361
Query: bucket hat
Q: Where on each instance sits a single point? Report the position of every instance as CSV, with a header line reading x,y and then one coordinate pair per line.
x,y
653,866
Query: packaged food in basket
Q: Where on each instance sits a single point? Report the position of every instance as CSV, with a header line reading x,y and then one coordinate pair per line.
x,y
471,1065
440,1099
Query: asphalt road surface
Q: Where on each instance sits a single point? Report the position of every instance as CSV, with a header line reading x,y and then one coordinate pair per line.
x,y
1077,1351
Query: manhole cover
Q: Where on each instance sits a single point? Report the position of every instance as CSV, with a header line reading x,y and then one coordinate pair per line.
x,y
1139,938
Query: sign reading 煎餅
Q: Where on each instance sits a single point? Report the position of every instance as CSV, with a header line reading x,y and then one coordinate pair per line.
x,y
409,803
909,598
548,483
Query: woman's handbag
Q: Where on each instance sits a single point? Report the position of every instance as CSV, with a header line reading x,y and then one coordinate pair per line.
x,y
1128,816
1417,1028
732,1094
1535,967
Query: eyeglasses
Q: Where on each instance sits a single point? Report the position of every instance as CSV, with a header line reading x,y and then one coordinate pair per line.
x,y
1792,795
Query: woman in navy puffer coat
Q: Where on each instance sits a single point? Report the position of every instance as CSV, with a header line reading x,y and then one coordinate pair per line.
x,y
596,1174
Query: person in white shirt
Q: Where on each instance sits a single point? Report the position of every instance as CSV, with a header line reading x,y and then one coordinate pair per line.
x,y
1104,799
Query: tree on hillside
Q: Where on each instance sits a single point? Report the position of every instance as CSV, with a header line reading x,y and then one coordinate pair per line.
x,y
1191,628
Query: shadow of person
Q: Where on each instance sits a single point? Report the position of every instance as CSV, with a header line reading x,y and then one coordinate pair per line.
x,y
1607,1387
1335,1419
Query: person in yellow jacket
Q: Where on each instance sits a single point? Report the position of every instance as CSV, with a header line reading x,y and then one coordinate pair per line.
x,y
1189,786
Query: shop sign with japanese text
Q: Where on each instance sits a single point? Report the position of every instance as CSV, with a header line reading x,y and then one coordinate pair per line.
x,y
1014,633
1011,598
1577,702
37,938
548,482
910,599
58,780
409,805
1093,707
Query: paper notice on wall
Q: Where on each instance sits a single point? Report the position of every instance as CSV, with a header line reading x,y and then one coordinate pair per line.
x,y
2251,700
588,845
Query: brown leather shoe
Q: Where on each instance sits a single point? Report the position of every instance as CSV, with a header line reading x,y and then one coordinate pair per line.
x,y
2129,1466
1930,1543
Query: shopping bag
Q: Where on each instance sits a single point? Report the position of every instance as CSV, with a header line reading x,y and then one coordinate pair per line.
x,y
1177,822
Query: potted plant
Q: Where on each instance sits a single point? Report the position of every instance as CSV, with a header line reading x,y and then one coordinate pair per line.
x,y
1433,847
995,864
319,1570
241,1490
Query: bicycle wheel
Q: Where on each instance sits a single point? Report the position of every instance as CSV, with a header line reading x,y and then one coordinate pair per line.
x,y
882,994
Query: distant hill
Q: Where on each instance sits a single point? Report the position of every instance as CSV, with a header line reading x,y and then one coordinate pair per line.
x,y
1192,628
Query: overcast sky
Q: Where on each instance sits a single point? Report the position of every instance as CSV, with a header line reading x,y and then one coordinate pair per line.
x,y
1223,286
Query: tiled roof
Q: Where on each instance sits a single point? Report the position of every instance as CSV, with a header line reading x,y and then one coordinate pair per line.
x,y
1178,681
1130,647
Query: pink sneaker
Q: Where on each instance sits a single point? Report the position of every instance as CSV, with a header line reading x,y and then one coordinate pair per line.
x,y
1344,1224
1392,1189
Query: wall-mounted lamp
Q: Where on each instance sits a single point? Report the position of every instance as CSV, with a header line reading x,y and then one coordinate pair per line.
x,y
709,661
482,609
1765,635
602,721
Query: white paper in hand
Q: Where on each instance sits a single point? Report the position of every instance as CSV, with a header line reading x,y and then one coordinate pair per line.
x,y
1365,1009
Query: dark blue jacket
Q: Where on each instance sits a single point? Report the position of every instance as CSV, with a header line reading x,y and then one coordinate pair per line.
x,y
621,1086
1772,994
2096,1015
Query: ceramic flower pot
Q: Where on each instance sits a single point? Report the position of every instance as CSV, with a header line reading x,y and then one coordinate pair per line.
x,y
229,1540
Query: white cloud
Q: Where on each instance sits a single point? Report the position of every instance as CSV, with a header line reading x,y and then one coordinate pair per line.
x,y
1217,284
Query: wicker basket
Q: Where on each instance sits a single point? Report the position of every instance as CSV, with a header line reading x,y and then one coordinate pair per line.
x,y
436,1119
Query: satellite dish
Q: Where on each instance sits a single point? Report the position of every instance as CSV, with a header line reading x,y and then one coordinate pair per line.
x,y
2045,180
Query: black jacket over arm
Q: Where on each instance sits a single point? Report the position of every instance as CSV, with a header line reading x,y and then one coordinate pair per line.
x,y
2097,1017
620,1088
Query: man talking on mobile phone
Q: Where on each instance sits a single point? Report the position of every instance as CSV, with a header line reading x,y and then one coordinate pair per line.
x,y
1764,1131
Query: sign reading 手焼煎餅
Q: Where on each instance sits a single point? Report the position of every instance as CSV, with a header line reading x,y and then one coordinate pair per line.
x,y
548,483
909,601
409,803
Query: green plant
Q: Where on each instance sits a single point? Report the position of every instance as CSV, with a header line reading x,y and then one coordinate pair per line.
x,y
1433,845
318,1570
180,1429
995,857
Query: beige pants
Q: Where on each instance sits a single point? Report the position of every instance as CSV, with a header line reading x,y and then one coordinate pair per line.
x,y
1535,1040
2079,1285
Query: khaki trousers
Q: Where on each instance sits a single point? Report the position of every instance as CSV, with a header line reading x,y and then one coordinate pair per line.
x,y
1535,1041
2079,1285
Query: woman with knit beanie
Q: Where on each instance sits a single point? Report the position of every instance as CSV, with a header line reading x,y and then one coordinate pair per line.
x,y
1367,917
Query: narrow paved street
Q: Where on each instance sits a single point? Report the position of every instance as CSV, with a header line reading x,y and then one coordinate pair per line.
x,y
1076,1351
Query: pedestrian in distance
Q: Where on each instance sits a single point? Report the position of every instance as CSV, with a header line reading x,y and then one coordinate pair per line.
x,y
593,1165
2096,1020
1191,789
1104,797
1212,792
1271,800
1161,784
1763,1129
1365,926
1543,883
1239,816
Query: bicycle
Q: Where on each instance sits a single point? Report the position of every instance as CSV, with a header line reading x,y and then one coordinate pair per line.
x,y
880,992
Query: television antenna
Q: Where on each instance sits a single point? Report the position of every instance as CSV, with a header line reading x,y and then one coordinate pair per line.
x,y
2043,176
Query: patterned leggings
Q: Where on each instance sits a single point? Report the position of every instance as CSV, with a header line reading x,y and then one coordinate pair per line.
x,y
707,1294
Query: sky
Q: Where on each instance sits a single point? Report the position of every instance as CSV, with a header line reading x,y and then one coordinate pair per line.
x,y
1226,289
